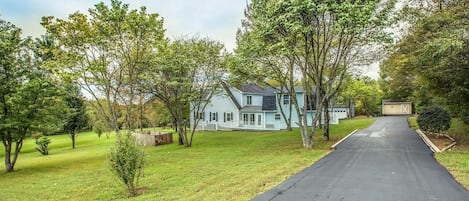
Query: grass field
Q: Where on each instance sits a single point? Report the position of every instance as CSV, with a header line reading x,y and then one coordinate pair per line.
x,y
456,160
220,166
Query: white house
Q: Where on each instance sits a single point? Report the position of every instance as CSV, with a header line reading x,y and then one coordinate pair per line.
x,y
253,108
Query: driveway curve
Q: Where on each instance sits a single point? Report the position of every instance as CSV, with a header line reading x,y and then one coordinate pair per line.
x,y
385,162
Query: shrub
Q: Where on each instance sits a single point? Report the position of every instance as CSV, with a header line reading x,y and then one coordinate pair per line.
x,y
42,145
126,161
434,120
464,116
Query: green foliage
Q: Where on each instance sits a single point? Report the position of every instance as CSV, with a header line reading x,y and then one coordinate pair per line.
x,y
99,128
429,65
42,145
434,120
126,161
31,97
366,94
107,51
185,77
78,118
315,42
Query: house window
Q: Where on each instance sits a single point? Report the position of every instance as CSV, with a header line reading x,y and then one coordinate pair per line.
x,y
249,100
259,120
213,116
277,116
200,116
228,116
252,119
245,119
286,99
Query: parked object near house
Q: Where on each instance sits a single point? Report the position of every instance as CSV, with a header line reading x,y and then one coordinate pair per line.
x,y
393,107
253,107
153,138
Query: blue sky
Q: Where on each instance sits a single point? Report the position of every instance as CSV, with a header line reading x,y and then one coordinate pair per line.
x,y
217,19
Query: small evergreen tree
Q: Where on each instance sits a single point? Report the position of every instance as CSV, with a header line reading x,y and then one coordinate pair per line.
x,y
78,118
126,161
434,120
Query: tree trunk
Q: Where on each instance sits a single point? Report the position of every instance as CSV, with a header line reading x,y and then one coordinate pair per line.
x,y
326,120
180,130
72,135
9,163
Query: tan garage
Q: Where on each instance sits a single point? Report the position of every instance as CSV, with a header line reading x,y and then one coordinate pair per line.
x,y
396,107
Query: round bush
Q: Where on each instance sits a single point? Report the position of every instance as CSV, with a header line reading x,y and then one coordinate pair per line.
x,y
434,120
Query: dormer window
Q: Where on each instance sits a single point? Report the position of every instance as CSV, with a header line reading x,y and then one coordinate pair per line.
x,y
249,100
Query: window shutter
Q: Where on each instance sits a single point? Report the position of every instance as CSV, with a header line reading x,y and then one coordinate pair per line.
x,y
203,116
224,116
216,116
210,116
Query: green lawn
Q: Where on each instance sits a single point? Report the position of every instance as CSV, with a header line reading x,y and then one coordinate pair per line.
x,y
220,166
456,160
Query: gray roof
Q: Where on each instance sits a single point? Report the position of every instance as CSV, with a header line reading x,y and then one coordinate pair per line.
x,y
269,103
394,101
299,89
230,94
250,108
252,88
268,91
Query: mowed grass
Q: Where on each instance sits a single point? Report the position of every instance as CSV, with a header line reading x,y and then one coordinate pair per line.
x,y
457,159
219,166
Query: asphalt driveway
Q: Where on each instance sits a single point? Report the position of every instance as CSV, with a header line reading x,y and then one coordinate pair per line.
x,y
385,162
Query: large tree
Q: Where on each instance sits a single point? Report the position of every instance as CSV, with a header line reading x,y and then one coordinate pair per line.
x,y
106,52
435,54
30,99
184,78
324,39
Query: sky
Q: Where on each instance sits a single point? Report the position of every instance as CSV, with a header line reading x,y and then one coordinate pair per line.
x,y
216,19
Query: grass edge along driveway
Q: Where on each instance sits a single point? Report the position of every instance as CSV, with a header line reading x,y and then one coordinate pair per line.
x,y
457,159
220,166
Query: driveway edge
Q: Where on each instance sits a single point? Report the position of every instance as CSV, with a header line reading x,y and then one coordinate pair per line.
x,y
428,142
340,141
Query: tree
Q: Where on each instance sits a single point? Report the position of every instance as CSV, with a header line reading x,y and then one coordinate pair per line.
x,y
365,92
105,52
184,78
435,54
323,39
30,97
78,118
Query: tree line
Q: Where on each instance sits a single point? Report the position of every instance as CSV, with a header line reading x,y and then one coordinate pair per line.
x,y
429,64
122,61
